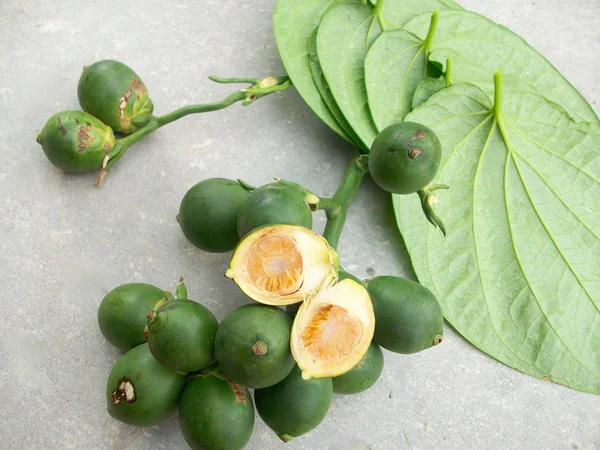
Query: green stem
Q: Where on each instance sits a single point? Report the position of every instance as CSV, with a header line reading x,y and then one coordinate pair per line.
x,y
336,208
428,42
246,186
378,12
498,111
201,108
233,80
448,74
498,94
181,290
428,200
259,89
435,17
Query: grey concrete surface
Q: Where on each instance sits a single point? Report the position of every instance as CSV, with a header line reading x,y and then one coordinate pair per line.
x,y
64,243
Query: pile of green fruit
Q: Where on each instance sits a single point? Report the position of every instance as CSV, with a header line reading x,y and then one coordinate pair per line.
x,y
328,340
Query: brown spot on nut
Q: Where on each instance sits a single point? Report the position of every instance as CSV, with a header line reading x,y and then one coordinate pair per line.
x,y
123,104
415,153
138,87
360,363
420,135
84,139
241,395
125,392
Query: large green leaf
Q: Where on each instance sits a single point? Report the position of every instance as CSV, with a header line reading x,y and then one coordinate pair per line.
x,y
293,23
518,274
398,74
479,47
325,92
346,32
395,65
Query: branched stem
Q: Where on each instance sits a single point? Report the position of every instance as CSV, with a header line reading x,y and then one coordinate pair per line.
x,y
336,207
259,88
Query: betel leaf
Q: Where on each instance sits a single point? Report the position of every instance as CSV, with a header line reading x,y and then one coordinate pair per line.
x,y
426,89
479,47
430,86
293,23
518,274
346,32
325,92
396,63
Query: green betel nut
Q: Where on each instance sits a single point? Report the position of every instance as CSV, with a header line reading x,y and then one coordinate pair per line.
x,y
282,202
75,141
405,157
115,94
216,413
140,391
122,315
294,406
408,317
362,376
252,346
181,335
208,214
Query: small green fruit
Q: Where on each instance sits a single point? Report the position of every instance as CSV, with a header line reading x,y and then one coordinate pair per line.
x,y
405,157
181,335
75,141
252,346
294,406
408,317
208,214
362,376
122,315
140,391
116,95
216,413
282,202
343,275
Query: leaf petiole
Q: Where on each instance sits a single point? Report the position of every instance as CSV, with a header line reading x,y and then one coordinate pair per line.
x,y
378,12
